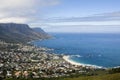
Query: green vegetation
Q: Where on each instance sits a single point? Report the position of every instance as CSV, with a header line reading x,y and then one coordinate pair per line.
x,y
101,77
114,70
92,75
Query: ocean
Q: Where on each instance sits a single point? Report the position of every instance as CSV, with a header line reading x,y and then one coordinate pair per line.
x,y
87,48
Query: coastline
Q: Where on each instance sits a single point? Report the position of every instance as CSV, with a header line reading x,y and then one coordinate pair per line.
x,y
72,62
67,58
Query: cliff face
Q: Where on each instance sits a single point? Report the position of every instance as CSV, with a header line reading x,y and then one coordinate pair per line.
x,y
12,32
42,32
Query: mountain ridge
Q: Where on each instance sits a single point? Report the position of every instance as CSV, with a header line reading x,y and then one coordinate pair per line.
x,y
14,32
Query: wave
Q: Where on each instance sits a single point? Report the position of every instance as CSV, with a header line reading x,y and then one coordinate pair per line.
x,y
75,56
68,59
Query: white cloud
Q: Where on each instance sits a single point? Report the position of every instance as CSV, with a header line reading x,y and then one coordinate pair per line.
x,y
84,29
15,19
12,4
85,23
106,22
113,16
18,10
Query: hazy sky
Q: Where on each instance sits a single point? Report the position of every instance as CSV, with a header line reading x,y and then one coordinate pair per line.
x,y
64,15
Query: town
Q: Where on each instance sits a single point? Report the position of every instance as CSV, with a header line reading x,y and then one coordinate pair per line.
x,y
28,61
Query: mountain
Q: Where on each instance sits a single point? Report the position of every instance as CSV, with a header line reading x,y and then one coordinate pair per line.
x,y
41,31
12,32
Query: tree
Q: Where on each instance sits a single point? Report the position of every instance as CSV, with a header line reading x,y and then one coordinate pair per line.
x,y
4,73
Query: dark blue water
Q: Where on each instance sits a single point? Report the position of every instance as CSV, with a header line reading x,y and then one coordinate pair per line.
x,y
95,49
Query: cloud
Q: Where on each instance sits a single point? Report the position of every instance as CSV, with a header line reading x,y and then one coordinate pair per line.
x,y
26,10
84,29
112,16
15,19
105,23
30,12
85,23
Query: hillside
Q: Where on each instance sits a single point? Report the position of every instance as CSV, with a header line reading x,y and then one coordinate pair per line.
x,y
12,32
100,77
41,31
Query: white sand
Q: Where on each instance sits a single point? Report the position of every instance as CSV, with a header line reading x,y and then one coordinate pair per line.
x,y
67,58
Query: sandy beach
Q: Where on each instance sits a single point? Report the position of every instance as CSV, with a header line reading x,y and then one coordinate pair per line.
x,y
67,58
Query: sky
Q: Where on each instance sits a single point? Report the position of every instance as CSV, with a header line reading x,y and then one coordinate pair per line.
x,y
80,16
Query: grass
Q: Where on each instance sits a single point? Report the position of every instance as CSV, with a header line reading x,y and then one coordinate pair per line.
x,y
100,77
115,76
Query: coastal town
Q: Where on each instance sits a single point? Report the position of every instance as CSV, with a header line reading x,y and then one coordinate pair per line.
x,y
28,61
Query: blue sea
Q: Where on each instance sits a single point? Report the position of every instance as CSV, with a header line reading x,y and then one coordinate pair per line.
x,y
92,48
